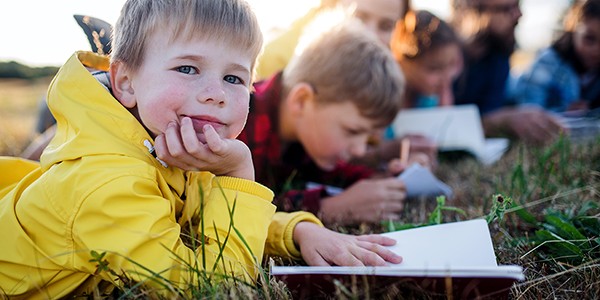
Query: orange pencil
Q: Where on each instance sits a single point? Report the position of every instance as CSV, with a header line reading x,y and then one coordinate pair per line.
x,y
404,150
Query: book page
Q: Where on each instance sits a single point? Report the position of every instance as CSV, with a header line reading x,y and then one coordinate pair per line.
x,y
450,245
451,127
459,249
493,150
419,181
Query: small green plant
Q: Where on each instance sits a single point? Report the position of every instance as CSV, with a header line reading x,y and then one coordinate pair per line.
x,y
500,204
435,217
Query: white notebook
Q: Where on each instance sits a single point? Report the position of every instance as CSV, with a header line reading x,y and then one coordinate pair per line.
x,y
453,128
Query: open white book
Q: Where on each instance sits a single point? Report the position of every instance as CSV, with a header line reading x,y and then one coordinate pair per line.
x,y
453,128
460,251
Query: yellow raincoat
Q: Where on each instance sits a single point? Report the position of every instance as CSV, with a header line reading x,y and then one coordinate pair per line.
x,y
97,187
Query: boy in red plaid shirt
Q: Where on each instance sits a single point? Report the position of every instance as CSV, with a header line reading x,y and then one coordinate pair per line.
x,y
308,121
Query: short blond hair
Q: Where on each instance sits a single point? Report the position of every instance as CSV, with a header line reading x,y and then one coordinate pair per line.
x,y
231,21
348,63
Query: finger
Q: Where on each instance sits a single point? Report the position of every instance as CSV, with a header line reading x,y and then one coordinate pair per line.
x,y
349,258
370,258
189,137
539,133
394,183
162,152
213,140
395,166
173,141
553,126
378,255
393,202
377,239
160,146
315,259
387,182
176,154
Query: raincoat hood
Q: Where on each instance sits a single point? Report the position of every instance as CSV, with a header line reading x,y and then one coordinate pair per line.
x,y
97,123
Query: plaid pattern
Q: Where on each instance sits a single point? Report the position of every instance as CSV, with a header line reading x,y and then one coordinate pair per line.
x,y
284,166
553,83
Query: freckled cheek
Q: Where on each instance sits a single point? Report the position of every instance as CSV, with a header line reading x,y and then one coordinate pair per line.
x,y
162,109
239,115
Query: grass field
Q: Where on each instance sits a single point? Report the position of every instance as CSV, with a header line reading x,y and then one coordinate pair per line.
x,y
552,227
18,107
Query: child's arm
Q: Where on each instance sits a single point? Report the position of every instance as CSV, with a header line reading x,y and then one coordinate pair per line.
x,y
134,223
368,200
179,146
530,124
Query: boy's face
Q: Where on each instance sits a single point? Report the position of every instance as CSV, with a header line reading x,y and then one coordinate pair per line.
x,y
333,133
204,79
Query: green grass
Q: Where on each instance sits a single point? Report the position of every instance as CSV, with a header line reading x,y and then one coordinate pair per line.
x,y
18,108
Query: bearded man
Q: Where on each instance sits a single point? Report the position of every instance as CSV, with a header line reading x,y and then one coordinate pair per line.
x,y
487,28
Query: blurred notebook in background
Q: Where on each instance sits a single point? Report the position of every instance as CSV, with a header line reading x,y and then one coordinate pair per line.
x,y
453,128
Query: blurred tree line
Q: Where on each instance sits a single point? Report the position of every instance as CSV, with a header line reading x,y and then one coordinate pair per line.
x,y
13,69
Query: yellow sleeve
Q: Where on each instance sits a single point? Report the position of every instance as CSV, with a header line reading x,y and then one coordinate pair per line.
x,y
245,213
280,240
235,219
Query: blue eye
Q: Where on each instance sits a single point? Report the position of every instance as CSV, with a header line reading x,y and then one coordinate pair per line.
x,y
187,70
233,79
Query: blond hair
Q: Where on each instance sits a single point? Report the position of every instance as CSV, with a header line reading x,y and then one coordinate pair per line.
x,y
231,21
348,63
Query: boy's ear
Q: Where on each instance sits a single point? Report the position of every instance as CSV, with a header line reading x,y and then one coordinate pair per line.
x,y
120,81
299,96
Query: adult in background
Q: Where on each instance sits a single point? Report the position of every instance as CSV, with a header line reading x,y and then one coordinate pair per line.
x,y
566,75
487,28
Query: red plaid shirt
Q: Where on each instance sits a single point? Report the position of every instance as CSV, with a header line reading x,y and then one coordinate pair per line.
x,y
284,166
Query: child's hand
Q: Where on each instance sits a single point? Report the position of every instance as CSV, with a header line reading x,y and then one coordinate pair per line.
x,y
368,200
180,147
395,166
322,247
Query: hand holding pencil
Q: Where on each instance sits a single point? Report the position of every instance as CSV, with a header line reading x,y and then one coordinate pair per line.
x,y
409,153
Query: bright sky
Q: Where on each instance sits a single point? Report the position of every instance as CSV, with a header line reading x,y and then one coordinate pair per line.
x,y
44,32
